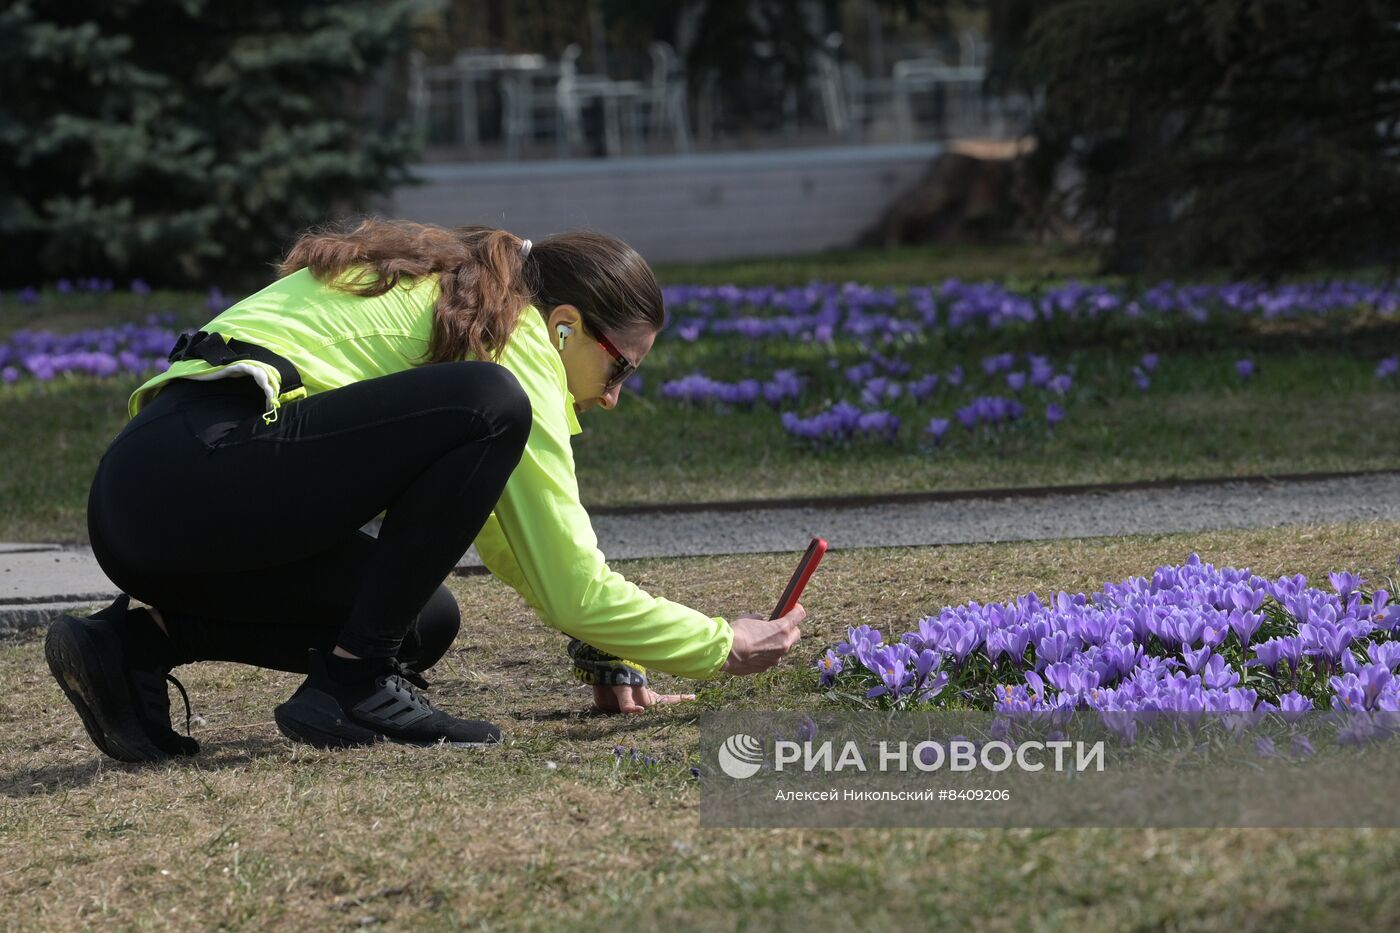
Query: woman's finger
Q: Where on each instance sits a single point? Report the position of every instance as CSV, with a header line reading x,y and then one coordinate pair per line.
x,y
610,699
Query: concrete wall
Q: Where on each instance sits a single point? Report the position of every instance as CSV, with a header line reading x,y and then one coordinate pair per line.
x,y
679,208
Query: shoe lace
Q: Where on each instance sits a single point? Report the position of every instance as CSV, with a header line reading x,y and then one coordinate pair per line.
x,y
183,696
410,680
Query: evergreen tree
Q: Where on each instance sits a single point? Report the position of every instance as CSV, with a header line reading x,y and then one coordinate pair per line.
x,y
174,139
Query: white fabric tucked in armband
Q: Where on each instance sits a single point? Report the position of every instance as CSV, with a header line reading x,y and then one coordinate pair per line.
x,y
259,375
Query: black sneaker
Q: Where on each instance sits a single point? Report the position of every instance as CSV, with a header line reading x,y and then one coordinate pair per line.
x,y
112,672
383,705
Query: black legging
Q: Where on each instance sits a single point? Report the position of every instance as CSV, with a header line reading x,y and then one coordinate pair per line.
x,y
245,536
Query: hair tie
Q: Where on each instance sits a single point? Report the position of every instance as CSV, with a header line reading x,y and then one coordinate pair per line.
x,y
525,248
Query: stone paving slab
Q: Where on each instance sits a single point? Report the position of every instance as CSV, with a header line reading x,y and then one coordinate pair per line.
x,y
37,584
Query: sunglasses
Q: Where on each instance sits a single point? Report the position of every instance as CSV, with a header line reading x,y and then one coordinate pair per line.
x,y
622,366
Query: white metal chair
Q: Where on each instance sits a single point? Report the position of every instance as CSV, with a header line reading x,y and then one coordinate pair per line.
x,y
931,74
666,97
972,49
526,95
469,67
419,94
830,81
619,100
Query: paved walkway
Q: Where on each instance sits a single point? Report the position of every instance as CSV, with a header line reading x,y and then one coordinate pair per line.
x,y
38,581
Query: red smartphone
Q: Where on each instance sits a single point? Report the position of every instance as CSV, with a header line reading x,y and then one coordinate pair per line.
x,y
800,576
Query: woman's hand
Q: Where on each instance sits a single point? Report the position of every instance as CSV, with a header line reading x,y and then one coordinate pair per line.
x,y
625,699
760,643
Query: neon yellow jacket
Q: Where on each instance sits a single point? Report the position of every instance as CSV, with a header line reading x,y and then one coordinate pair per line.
x,y
539,539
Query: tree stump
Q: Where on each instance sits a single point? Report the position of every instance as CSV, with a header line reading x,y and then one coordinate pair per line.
x,y
973,192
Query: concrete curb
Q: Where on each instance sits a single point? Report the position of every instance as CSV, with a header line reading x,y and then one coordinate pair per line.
x,y
15,620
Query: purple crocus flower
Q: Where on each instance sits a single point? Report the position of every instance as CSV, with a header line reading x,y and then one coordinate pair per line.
x,y
1068,679
878,389
1217,675
1382,617
858,637
1345,583
891,668
217,302
1245,624
829,666
937,427
1358,729
1194,659
923,387
1325,639
1386,654
1388,367
1245,368
880,424
1140,380
1360,690
1271,653
1054,414
998,362
860,373
1011,642
1293,705
1148,362
960,639
1052,648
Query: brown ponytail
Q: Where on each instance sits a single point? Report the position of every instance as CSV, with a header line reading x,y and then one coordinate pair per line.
x,y
485,280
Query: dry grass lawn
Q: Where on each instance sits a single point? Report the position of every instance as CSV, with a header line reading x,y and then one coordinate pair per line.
x,y
546,832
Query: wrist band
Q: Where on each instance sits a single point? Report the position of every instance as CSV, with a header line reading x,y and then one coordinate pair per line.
x,y
598,668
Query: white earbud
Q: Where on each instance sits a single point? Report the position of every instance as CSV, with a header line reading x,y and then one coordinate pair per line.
x,y
564,331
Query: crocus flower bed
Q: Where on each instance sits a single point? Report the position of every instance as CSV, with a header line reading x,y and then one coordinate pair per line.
x,y
880,341
128,349
1189,638
901,366
823,311
873,387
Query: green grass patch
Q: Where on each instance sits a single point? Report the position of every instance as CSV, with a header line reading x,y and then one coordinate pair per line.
x,y
257,833
1314,406
1306,411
